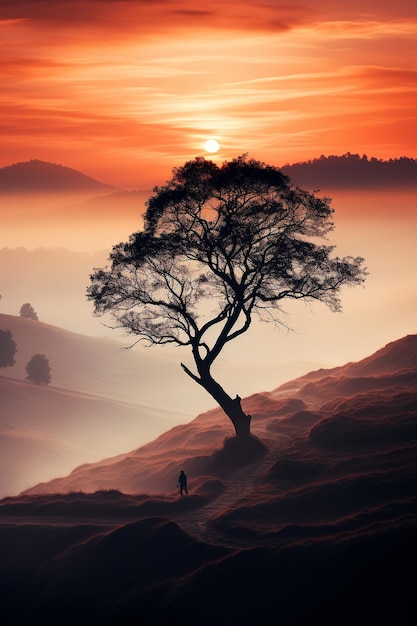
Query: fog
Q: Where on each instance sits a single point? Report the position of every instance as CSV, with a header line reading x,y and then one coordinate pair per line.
x,y
379,227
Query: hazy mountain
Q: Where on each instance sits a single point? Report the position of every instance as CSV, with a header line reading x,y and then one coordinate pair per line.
x,y
132,202
352,171
50,205
319,527
36,176
348,171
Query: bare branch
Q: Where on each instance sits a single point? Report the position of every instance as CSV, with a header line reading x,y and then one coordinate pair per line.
x,y
219,244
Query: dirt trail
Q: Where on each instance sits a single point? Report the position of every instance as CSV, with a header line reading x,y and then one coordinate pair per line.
x,y
196,523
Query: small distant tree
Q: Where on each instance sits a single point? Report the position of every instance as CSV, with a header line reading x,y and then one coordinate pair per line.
x,y
7,349
38,370
28,312
219,245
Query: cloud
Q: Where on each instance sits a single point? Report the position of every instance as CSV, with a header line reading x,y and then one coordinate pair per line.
x,y
236,14
133,85
147,16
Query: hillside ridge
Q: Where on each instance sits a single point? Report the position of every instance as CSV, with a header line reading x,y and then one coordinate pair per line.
x,y
345,171
352,171
38,176
303,403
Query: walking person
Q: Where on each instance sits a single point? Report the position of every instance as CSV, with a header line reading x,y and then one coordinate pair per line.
x,y
182,483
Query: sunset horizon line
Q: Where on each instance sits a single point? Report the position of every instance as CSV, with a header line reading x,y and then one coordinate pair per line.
x,y
209,157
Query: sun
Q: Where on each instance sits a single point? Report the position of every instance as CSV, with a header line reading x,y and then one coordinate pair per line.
x,y
211,145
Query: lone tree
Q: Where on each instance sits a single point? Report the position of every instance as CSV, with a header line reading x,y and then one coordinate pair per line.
x,y
7,349
219,245
38,370
28,312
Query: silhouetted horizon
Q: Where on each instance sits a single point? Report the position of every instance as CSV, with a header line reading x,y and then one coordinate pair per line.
x,y
352,171
36,176
347,171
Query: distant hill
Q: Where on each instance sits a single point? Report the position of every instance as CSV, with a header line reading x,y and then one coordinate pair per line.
x,y
46,430
103,367
352,171
349,171
101,399
41,177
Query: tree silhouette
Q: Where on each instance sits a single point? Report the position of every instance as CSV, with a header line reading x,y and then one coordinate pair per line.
x,y
7,349
219,245
38,370
28,312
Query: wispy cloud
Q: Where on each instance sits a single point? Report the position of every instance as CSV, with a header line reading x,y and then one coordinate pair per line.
x,y
94,78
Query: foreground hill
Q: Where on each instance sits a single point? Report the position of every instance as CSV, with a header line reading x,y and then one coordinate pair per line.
x,y
321,527
350,398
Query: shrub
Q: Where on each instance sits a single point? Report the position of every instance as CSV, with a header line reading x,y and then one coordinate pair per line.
x,y
38,370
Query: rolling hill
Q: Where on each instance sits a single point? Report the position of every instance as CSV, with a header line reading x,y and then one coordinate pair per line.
x,y
47,430
101,399
322,405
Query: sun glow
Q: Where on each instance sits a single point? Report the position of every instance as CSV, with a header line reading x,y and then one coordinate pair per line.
x,y
211,145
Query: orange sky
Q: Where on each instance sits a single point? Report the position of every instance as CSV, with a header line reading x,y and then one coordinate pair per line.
x,y
126,90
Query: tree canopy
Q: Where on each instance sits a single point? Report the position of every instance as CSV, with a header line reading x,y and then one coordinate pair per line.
x,y
8,348
28,312
38,369
219,245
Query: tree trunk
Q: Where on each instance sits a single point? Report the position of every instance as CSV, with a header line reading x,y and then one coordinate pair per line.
x,y
240,420
231,406
233,409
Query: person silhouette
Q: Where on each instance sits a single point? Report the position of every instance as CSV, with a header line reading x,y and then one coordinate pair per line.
x,y
182,483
